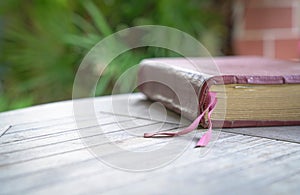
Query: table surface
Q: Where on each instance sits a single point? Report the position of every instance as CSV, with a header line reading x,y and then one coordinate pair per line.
x,y
46,150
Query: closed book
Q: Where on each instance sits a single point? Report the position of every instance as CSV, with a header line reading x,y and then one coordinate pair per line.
x,y
251,91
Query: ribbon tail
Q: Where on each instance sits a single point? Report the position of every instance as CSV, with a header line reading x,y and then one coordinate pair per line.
x,y
204,140
189,129
206,137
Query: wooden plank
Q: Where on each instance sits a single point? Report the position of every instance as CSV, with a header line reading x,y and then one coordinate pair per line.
x,y
71,144
45,140
27,154
80,168
37,114
41,162
199,171
39,125
283,133
288,184
44,164
227,144
52,131
229,175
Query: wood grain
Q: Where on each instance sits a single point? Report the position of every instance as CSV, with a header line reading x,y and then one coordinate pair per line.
x,y
48,154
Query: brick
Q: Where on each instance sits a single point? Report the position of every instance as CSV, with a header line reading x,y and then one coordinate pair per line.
x,y
261,18
267,3
249,47
287,48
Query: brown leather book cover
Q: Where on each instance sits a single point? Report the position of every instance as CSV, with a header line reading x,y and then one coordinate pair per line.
x,y
162,79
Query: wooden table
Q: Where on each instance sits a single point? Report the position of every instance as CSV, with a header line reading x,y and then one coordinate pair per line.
x,y
43,152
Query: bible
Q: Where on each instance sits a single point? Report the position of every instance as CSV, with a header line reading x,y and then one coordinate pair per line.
x,y
250,91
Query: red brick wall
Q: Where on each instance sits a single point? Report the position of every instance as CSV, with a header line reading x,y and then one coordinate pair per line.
x,y
268,28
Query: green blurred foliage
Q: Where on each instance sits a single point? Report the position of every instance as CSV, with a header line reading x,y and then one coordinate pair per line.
x,y
42,42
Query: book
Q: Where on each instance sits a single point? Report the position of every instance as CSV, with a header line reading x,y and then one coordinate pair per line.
x,y
251,91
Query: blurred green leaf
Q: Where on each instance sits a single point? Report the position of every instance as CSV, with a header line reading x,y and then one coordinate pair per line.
x,y
97,18
43,42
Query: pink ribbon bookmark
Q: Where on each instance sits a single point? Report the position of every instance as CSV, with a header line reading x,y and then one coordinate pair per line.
x,y
204,140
